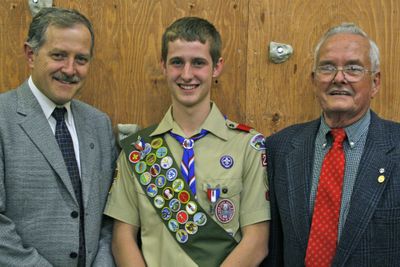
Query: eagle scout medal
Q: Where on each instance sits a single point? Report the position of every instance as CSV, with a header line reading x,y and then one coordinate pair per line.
x,y
160,181
139,144
173,225
191,227
159,202
213,196
182,236
226,161
134,156
258,142
174,205
145,178
224,210
191,207
200,218
166,213
151,190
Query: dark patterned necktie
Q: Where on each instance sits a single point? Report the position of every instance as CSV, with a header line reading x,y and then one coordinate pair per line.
x,y
66,145
187,164
324,226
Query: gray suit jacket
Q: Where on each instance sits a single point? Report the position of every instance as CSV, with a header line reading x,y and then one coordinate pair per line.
x,y
36,194
371,234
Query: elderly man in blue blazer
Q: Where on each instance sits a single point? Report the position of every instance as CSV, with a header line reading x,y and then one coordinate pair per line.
x,y
360,222
55,171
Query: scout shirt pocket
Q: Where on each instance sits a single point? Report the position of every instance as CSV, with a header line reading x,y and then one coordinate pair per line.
x,y
223,199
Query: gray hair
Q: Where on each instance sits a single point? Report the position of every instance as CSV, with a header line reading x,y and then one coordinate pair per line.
x,y
352,29
58,17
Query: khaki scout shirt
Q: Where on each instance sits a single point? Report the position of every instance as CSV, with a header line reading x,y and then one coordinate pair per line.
x,y
244,184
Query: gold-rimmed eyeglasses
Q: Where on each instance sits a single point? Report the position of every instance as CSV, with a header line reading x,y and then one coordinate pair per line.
x,y
352,73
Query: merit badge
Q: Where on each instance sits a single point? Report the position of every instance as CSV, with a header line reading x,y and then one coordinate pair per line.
x,y
173,225
182,217
156,143
182,236
191,227
258,142
134,156
178,185
155,170
174,205
171,174
166,213
146,150
184,196
213,196
159,202
140,167
191,207
224,210
145,178
168,193
200,218
160,181
161,152
151,159
151,190
226,161
166,162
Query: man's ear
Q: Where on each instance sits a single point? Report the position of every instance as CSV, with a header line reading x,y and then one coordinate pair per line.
x,y
163,66
218,67
376,83
29,54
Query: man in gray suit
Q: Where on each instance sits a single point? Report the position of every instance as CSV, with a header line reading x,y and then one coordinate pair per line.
x,y
55,170
366,228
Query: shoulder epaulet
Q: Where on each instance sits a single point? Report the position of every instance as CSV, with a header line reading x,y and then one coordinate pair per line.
x,y
240,127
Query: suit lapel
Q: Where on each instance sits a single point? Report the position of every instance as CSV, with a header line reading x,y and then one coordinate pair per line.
x,y
367,190
83,126
36,126
299,169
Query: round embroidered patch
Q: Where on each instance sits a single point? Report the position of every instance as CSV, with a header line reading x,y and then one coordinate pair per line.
x,y
224,210
151,190
191,228
166,213
226,161
171,174
174,205
145,178
191,207
161,152
166,162
200,218
178,185
160,181
155,170
173,225
140,167
168,193
182,236
159,202
134,156
182,217
156,143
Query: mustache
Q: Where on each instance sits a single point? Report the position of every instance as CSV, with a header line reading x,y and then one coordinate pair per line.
x,y
340,89
66,78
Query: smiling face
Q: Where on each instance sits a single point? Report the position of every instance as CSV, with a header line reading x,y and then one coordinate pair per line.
x,y
60,66
340,100
189,72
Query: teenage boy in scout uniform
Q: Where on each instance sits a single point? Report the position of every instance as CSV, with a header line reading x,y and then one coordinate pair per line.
x,y
194,184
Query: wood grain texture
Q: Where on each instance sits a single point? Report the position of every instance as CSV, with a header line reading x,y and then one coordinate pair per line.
x,y
126,80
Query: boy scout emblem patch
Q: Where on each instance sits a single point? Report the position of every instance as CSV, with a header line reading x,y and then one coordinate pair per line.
x,y
191,227
224,210
200,218
226,161
258,142
171,174
182,236
134,156
173,225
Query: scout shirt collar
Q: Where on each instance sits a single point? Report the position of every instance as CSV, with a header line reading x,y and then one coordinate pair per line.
x,y
213,124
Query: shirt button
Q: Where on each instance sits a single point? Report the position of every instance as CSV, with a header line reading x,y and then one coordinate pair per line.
x,y
74,214
73,255
224,190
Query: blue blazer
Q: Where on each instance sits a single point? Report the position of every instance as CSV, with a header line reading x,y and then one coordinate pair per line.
x,y
37,201
371,233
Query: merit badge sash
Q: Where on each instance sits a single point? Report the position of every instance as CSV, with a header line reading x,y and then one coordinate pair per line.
x,y
206,242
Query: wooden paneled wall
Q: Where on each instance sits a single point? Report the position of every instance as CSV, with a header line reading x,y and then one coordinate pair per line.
x,y
126,80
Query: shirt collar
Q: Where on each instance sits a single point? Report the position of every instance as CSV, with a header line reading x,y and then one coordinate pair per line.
x,y
46,104
212,124
354,131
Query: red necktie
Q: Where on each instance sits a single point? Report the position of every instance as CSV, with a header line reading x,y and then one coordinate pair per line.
x,y
324,226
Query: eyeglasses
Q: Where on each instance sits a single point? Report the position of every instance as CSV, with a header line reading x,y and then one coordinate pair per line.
x,y
352,73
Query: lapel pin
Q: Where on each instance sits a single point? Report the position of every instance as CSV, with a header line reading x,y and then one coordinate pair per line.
x,y
381,170
381,179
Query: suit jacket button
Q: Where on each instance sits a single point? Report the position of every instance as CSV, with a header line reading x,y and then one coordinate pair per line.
x,y
74,214
73,255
